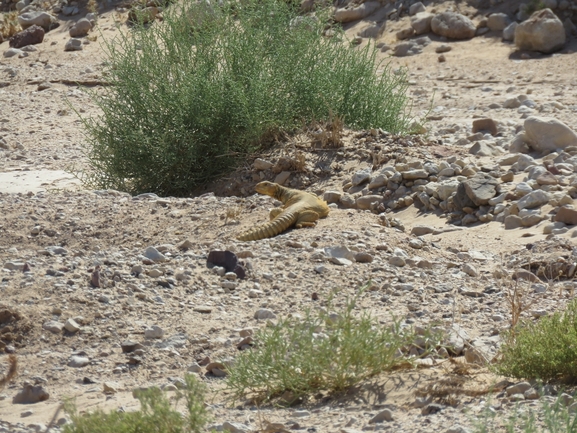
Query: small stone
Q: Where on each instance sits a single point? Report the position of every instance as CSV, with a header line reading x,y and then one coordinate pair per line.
x,y
72,326
264,313
154,331
110,387
432,408
235,427
78,361
361,177
485,124
457,429
53,326
518,388
194,368
385,415
30,394
366,201
363,257
397,261
332,196
531,394
73,45
470,270
153,254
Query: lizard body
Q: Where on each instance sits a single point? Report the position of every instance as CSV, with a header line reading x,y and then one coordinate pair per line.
x,y
300,209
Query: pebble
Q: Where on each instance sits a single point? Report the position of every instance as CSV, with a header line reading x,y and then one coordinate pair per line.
x,y
384,415
264,313
78,361
154,331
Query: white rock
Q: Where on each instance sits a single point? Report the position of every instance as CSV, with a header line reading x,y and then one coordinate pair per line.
x,y
542,32
154,331
263,314
358,13
547,134
533,199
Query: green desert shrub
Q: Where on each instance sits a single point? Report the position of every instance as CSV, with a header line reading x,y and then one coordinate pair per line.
x,y
545,350
190,96
322,351
157,414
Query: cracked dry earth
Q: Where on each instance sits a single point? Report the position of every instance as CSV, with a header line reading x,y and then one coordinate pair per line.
x,y
427,265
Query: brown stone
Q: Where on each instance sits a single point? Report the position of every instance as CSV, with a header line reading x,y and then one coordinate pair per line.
x,y
547,178
31,36
485,124
566,215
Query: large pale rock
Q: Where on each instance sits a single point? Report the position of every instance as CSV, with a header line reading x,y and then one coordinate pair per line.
x,y
453,25
358,13
81,28
542,32
421,22
498,21
509,32
42,19
547,134
533,199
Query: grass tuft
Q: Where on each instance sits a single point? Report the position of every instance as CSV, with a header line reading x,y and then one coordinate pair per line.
x,y
156,414
321,352
192,96
545,350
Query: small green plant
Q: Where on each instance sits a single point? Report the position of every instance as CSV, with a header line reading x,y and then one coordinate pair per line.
x,y
550,416
192,96
320,352
155,415
545,350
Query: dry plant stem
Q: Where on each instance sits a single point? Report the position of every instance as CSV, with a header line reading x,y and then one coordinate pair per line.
x,y
12,371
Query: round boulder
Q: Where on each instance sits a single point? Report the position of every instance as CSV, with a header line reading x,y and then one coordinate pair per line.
x,y
542,32
81,28
453,25
42,19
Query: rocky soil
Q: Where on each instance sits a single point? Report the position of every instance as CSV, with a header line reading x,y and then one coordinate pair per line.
x,y
102,292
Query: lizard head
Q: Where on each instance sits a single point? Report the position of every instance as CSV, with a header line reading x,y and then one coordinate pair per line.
x,y
268,188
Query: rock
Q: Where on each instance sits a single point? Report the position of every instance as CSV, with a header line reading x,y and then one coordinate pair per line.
x,y
509,32
365,201
263,314
73,45
498,21
453,25
235,427
485,124
470,270
397,261
415,174
405,33
547,178
533,199
455,340
543,32
361,177
547,134
385,415
38,18
261,164
407,49
348,201
363,257
421,23
378,181
32,35
282,177
518,388
479,190
457,429
154,331
340,255
443,48
81,28
72,326
110,387
153,254
358,13
482,148
78,361
30,394
566,215
227,260
11,52
474,356
416,8
53,326
420,230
